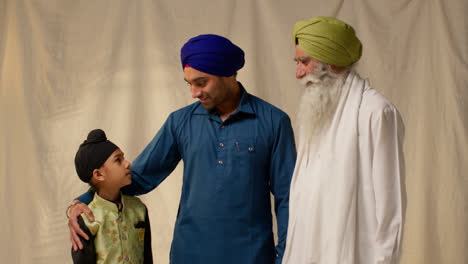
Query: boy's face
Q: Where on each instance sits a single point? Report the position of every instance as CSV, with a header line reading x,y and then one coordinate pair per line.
x,y
117,170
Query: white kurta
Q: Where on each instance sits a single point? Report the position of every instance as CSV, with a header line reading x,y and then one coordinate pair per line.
x,y
347,198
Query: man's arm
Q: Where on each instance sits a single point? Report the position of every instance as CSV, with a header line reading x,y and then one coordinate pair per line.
x,y
388,170
76,209
79,206
156,162
283,159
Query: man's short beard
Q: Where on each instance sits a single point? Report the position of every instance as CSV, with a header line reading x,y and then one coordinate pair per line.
x,y
318,104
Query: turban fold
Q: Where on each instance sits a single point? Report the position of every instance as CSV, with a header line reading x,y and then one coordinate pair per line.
x,y
92,154
329,40
212,54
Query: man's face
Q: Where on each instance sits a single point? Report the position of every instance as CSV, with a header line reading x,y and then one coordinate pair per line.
x,y
211,90
305,63
321,95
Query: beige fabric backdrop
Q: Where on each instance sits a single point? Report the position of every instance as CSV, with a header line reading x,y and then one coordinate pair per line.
x,y
67,67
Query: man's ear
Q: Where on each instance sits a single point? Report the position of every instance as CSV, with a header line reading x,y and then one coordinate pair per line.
x,y
231,80
98,175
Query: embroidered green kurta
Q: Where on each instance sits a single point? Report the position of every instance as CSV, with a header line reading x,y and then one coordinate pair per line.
x,y
118,236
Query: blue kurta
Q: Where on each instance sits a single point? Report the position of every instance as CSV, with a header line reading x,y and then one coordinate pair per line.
x,y
230,168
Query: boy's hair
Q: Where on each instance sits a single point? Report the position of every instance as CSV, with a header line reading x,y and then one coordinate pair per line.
x,y
92,154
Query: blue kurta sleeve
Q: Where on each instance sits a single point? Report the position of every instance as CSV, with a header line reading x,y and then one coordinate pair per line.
x,y
156,162
86,197
283,158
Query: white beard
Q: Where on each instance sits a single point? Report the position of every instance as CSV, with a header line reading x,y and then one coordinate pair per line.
x,y
318,104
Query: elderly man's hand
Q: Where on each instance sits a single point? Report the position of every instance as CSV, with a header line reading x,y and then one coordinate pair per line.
x,y
75,230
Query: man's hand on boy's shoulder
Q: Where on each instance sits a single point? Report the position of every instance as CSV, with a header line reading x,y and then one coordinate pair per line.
x,y
75,231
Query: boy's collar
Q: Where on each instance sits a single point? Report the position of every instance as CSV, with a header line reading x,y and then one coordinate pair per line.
x,y
108,204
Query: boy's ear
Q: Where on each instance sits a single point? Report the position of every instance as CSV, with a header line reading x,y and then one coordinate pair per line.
x,y
98,175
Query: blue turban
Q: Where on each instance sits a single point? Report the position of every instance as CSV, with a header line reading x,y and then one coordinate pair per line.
x,y
212,54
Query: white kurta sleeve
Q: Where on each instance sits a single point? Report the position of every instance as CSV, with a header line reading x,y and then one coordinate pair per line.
x,y
388,179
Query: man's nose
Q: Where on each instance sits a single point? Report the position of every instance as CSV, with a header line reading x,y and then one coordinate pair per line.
x,y
195,91
300,72
128,164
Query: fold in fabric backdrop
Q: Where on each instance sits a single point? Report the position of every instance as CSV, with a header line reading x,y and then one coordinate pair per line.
x,y
67,67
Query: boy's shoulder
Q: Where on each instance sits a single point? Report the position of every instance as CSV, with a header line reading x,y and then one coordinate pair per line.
x,y
101,207
133,201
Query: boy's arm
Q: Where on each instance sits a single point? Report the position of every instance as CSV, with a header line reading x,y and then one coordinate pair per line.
x,y
88,253
148,254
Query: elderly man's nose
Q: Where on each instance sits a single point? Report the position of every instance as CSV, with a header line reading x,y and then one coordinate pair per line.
x,y
300,72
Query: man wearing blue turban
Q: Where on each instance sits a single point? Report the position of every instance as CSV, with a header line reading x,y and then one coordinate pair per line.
x,y
236,149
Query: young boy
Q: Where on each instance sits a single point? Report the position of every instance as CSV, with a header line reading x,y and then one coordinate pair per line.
x,y
121,230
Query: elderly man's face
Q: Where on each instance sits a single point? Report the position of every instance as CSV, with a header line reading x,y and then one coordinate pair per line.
x,y
211,90
305,63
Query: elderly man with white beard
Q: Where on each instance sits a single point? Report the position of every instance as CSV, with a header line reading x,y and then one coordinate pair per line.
x,y
347,199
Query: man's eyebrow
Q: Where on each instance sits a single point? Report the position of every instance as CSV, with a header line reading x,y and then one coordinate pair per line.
x,y
196,79
302,59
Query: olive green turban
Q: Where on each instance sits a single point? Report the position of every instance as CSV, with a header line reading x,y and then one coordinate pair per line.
x,y
328,40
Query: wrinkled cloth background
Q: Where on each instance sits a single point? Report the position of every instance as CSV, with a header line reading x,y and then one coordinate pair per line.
x,y
67,67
